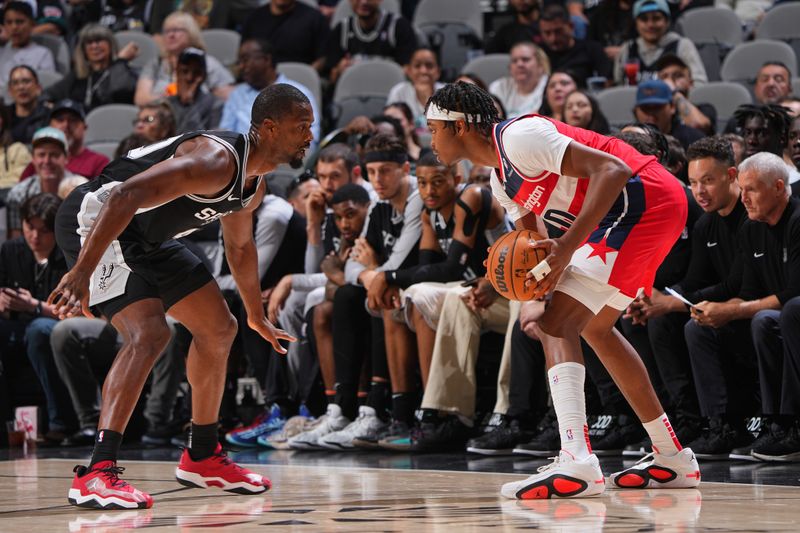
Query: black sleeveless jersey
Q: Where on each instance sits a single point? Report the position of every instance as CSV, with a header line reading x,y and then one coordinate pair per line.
x,y
443,228
182,215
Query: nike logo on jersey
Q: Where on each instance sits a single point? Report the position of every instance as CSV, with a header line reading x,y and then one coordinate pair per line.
x,y
757,255
233,198
711,244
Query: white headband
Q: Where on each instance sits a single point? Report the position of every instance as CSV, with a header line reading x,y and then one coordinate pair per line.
x,y
439,113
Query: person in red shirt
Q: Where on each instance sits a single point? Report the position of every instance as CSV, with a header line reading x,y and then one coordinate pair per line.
x,y
612,214
69,117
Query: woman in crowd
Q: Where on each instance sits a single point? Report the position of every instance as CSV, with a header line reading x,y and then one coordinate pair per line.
x,y
155,122
157,79
101,74
581,110
522,92
14,156
423,79
404,115
559,85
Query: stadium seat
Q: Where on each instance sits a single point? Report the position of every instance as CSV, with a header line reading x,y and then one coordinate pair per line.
x,y
714,31
48,78
488,68
312,3
110,123
344,10
148,49
724,96
58,47
279,180
781,24
617,105
454,28
796,87
108,149
742,63
305,74
362,89
223,45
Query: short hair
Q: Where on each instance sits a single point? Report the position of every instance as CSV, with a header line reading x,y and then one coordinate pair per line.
x,y
776,116
386,119
385,143
768,167
643,143
775,64
25,67
23,8
293,189
44,206
676,155
276,101
469,99
164,113
351,192
132,141
717,147
334,152
555,13
263,45
429,159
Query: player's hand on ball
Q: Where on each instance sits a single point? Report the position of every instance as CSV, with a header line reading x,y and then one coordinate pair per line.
x,y
270,333
558,257
70,298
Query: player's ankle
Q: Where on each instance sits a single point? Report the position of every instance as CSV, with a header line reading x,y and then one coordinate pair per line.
x,y
106,446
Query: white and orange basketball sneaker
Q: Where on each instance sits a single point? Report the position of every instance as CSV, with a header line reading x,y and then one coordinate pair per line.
x,y
219,471
99,487
655,471
565,477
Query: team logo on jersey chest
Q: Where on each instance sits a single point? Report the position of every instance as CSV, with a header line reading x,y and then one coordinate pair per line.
x,y
209,215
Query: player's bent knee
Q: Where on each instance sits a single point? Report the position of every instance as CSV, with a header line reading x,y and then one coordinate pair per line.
x,y
151,340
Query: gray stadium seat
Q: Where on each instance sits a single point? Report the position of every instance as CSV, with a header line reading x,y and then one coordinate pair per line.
x,y
714,31
742,63
796,87
344,10
488,68
305,74
48,78
454,28
362,89
148,49
312,3
279,180
782,23
617,105
110,123
106,148
58,47
223,45
724,96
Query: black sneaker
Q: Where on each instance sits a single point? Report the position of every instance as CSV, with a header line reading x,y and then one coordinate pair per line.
x,y
638,449
784,446
624,431
372,442
82,437
770,433
547,441
500,439
687,427
397,437
720,440
446,434
161,435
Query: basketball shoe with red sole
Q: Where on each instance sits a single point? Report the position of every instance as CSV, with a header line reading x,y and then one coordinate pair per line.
x,y
219,471
654,471
565,477
99,487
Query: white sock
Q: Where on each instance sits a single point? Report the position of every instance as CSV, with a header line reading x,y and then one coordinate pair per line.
x,y
566,387
663,436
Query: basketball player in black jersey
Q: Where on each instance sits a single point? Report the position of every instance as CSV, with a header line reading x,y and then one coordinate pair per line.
x,y
118,232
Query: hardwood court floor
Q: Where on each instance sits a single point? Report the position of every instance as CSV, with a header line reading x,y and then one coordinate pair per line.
x,y
307,497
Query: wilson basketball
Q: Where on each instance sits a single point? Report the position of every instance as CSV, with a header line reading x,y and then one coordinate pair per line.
x,y
510,259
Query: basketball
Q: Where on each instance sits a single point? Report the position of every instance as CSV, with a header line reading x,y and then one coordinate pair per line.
x,y
510,259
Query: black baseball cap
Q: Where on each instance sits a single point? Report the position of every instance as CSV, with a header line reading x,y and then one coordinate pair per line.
x,y
69,105
192,54
668,60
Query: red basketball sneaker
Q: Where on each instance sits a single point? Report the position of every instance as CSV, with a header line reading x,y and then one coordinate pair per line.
x,y
219,471
100,487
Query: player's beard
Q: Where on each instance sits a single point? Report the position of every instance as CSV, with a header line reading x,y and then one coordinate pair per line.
x,y
296,162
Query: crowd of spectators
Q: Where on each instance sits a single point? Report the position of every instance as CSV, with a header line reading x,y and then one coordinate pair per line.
x,y
373,256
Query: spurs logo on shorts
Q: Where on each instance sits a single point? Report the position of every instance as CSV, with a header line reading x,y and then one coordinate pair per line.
x,y
105,274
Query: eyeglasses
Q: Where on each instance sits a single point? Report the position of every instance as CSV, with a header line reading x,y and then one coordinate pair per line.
x,y
145,120
167,31
21,81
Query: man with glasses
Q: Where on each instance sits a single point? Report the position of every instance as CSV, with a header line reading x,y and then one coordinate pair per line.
x,y
19,50
257,68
